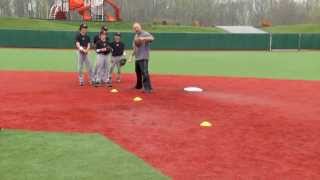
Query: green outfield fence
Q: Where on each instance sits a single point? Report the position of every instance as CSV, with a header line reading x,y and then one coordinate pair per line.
x,y
174,41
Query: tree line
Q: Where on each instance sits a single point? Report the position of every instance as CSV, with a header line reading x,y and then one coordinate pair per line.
x,y
207,12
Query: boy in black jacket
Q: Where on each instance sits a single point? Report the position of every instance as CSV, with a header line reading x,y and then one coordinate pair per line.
x,y
118,56
103,51
82,42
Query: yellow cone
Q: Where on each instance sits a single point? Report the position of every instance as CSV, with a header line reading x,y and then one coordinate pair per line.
x,y
137,99
114,91
206,124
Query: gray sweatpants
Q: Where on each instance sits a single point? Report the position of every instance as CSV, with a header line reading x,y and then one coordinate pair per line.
x,y
102,68
115,63
83,60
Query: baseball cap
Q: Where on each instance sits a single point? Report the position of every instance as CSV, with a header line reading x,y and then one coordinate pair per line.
x,y
83,25
117,34
105,28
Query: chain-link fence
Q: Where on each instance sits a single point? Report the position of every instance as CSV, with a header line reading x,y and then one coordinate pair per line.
x,y
206,12
97,10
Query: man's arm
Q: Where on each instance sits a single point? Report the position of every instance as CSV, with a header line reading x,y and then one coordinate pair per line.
x,y
147,38
134,48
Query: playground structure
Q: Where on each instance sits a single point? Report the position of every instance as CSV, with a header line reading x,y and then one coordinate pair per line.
x,y
87,9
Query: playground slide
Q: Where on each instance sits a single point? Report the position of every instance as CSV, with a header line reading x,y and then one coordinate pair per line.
x,y
83,10
57,12
117,16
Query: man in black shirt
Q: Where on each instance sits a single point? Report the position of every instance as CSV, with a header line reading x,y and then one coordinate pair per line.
x,y
118,55
83,46
103,50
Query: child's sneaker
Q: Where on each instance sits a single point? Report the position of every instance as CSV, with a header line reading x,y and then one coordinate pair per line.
x,y
97,84
109,84
118,79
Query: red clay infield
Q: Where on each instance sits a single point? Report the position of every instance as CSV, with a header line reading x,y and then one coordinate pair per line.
x,y
262,129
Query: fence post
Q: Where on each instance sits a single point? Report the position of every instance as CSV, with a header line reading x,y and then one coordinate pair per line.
x,y
299,45
270,42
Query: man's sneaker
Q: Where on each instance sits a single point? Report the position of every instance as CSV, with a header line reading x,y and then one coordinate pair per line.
x,y
147,91
81,83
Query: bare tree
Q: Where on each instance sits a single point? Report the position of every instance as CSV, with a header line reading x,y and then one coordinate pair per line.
x,y
207,12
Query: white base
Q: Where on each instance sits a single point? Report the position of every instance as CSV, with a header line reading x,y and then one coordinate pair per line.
x,y
193,89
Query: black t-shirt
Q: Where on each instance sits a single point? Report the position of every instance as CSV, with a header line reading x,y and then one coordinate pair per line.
x,y
118,48
83,40
101,45
97,38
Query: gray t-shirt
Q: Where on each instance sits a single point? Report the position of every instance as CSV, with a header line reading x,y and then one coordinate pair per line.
x,y
142,52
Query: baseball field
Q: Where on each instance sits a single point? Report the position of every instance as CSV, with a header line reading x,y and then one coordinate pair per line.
x,y
263,106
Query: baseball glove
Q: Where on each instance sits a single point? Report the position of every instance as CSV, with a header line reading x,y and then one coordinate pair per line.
x,y
138,42
123,62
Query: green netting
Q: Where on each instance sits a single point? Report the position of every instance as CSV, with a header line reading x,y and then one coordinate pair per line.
x,y
174,41
285,41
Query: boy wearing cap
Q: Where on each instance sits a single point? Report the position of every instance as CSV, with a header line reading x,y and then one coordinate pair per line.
x,y
103,29
103,50
118,56
97,37
83,46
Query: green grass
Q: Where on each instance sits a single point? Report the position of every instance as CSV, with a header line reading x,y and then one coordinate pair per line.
x,y
52,156
36,24
303,65
299,28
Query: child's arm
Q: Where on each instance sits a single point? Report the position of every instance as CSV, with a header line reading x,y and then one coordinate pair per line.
x,y
79,47
101,49
110,46
123,49
88,48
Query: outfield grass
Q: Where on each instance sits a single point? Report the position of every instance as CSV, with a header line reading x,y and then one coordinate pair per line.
x,y
36,24
303,65
52,156
299,28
